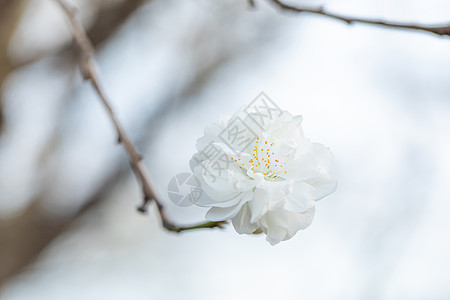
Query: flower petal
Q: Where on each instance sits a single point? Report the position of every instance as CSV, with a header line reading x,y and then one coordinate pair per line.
x,y
241,222
302,168
222,213
323,185
301,199
258,205
217,187
323,157
281,225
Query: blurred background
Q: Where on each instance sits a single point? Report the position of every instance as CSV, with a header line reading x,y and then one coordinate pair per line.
x,y
379,98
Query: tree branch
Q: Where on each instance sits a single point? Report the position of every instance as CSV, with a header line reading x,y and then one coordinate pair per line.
x,y
10,14
89,72
439,30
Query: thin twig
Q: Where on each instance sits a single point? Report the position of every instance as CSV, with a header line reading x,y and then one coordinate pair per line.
x,y
439,30
89,72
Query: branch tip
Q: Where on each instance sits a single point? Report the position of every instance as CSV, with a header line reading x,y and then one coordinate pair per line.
x,y
142,209
438,30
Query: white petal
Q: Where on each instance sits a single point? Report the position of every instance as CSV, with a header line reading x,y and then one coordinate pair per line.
x,y
323,157
302,197
281,225
258,205
286,127
289,235
223,213
275,234
316,161
323,185
220,212
205,201
241,222
217,188
241,182
213,129
301,168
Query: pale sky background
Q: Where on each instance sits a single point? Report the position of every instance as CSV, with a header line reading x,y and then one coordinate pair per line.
x,y
379,98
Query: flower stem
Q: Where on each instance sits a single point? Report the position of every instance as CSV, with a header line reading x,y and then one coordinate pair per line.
x,y
174,228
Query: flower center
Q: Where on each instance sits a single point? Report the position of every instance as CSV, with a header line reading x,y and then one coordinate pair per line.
x,y
263,161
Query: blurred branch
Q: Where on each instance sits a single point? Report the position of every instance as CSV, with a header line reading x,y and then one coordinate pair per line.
x,y
107,22
110,18
89,72
10,13
439,30
23,238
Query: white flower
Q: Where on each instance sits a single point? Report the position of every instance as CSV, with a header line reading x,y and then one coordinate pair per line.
x,y
261,178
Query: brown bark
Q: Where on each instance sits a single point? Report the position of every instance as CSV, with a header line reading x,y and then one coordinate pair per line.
x,y
10,13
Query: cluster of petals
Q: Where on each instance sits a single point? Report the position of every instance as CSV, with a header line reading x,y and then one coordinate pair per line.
x,y
271,185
